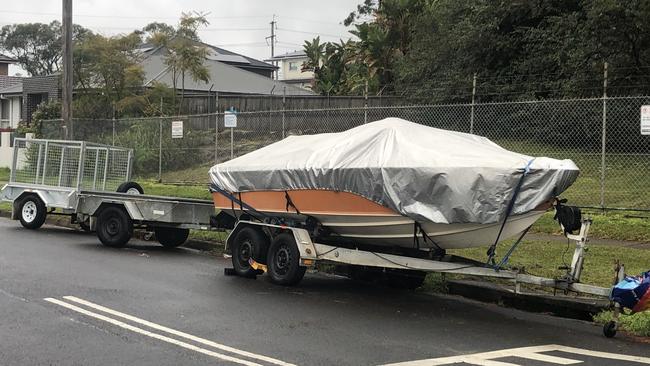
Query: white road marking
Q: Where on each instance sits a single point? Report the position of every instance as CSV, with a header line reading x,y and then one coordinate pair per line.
x,y
531,353
611,356
151,334
547,358
177,332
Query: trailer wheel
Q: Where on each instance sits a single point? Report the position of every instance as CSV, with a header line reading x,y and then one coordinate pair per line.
x,y
130,188
32,212
609,329
248,243
284,261
114,227
171,237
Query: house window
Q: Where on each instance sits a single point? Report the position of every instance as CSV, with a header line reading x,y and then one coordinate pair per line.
x,y
293,66
4,109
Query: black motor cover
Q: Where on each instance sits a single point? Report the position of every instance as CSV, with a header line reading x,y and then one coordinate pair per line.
x,y
569,217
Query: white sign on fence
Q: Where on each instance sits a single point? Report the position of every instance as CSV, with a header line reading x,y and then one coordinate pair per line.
x,y
177,129
645,120
230,119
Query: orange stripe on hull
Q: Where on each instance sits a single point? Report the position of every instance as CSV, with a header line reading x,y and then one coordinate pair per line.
x,y
308,201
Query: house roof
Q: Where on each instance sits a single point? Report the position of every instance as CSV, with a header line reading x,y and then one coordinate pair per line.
x,y
226,79
12,89
6,59
218,54
288,55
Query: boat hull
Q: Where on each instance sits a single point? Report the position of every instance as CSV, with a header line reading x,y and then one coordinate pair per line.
x,y
359,220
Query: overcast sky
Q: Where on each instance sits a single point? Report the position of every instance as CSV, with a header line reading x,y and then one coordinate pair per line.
x,y
237,25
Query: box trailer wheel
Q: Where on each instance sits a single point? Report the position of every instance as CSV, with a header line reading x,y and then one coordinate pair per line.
x,y
114,226
32,211
171,237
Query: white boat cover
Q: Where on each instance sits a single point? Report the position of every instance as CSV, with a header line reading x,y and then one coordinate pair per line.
x,y
424,173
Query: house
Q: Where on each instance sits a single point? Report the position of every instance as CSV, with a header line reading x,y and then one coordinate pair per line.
x,y
231,74
290,69
10,90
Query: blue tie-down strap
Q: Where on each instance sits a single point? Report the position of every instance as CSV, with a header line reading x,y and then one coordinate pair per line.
x,y
511,205
633,292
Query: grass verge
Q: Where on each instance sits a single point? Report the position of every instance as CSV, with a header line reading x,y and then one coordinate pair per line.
x,y
543,258
637,324
606,225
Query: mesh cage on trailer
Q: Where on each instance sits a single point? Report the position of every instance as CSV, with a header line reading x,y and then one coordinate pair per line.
x,y
70,164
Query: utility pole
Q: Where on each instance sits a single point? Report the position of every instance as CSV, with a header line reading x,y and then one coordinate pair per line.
x,y
272,38
66,108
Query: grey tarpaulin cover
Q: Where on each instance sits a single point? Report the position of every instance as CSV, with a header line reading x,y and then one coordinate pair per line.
x,y
424,173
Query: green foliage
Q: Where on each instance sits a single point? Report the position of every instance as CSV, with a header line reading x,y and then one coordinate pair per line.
x,y
4,175
108,73
383,39
525,50
637,324
334,69
185,54
143,137
428,50
37,46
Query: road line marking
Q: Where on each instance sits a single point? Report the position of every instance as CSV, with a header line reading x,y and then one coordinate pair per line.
x,y
547,358
150,334
175,332
532,353
483,362
612,356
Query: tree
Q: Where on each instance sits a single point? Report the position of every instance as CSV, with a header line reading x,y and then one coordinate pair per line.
x,y
335,70
107,74
158,33
526,50
37,46
383,29
185,54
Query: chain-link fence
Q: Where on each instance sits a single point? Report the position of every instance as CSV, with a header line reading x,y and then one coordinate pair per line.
x,y
602,135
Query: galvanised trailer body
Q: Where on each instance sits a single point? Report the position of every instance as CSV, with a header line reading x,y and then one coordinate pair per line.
x,y
78,179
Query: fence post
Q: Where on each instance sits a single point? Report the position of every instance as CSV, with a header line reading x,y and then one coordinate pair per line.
x,y
216,129
471,117
365,104
284,101
114,114
160,123
604,139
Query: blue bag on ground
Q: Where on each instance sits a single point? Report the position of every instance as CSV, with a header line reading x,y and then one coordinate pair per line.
x,y
633,292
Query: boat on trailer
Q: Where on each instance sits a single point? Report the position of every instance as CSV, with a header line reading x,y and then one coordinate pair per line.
x,y
393,183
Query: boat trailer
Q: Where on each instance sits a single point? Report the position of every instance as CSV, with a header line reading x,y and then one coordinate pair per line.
x,y
310,253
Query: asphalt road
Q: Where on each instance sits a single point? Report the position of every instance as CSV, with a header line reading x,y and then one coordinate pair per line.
x,y
325,321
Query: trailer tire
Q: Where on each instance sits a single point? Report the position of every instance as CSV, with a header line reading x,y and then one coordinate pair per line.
x,y
32,212
171,237
130,188
248,243
609,329
114,227
284,261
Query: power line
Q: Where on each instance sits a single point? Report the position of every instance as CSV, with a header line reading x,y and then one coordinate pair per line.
x,y
129,16
310,20
314,33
